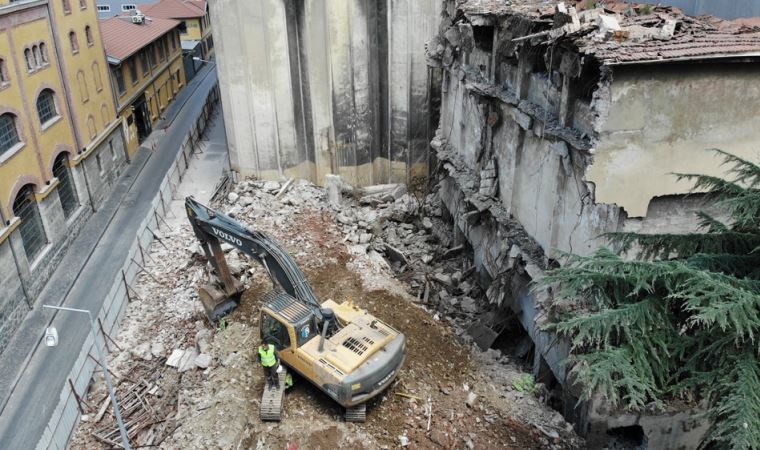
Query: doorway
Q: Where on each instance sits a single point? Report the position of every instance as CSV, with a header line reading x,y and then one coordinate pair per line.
x,y
142,118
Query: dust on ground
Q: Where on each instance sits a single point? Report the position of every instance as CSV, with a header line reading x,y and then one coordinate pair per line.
x,y
448,394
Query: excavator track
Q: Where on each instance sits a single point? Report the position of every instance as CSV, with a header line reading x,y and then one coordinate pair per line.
x,y
357,413
271,400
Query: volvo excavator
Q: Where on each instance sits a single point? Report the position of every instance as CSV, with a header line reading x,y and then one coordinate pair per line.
x,y
343,350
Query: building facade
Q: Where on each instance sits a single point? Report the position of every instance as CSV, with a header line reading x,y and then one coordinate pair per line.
x,y
558,126
194,28
145,59
61,143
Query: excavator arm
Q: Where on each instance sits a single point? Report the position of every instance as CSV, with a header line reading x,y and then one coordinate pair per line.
x,y
211,228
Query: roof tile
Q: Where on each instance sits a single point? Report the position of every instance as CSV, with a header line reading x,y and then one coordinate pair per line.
x,y
122,38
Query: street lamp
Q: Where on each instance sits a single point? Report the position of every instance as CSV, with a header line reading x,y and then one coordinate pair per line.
x,y
195,58
51,340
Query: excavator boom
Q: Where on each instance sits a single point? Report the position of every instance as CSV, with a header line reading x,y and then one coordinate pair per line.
x,y
212,227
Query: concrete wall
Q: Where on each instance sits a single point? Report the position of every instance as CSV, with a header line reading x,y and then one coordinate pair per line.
x,y
663,119
317,87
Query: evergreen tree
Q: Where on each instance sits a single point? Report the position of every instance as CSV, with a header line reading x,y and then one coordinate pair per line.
x,y
678,317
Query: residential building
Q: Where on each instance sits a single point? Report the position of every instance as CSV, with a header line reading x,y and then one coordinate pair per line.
x,y
61,143
195,28
144,55
110,8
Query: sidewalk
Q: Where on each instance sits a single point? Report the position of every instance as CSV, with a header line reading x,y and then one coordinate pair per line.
x,y
32,376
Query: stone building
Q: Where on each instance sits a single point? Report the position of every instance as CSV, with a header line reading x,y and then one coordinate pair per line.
x,y
61,143
558,125
326,86
144,55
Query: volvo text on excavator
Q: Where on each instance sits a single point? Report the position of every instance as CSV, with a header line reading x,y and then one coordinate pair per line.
x,y
343,350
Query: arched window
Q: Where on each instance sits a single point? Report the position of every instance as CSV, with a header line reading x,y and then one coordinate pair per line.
x,y
32,231
29,59
82,4
73,41
88,35
4,78
44,53
91,127
8,132
67,191
46,106
37,57
83,94
104,115
66,6
96,76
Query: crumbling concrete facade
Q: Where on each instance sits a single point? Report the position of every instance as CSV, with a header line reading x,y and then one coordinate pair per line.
x,y
559,125
306,87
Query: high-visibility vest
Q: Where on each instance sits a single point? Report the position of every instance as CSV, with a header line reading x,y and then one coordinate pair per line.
x,y
267,356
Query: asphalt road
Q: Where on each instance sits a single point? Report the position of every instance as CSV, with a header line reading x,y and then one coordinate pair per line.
x,y
33,375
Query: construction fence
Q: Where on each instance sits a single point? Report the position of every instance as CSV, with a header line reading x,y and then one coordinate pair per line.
x,y
66,415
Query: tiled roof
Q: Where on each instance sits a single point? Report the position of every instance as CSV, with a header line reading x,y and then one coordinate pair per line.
x,y
122,38
703,37
175,9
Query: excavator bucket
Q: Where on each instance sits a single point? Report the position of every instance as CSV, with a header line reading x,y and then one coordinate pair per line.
x,y
216,302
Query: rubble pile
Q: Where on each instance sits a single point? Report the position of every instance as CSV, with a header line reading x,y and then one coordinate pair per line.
x,y
384,248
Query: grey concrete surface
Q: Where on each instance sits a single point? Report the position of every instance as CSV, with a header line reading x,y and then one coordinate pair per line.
x,y
32,375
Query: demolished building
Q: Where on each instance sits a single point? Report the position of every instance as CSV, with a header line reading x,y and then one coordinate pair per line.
x,y
558,125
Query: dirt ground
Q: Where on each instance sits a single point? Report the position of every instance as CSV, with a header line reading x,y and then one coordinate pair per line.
x,y
448,394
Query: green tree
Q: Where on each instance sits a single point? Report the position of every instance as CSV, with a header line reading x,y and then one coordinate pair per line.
x,y
674,316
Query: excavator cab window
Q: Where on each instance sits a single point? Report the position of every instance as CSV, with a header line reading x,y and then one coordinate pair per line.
x,y
274,332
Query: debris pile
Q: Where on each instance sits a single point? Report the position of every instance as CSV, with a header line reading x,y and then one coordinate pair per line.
x,y
384,248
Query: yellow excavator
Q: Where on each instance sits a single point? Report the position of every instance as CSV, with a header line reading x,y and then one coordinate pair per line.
x,y
343,350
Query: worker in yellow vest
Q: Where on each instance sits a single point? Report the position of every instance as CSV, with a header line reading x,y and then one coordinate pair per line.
x,y
268,360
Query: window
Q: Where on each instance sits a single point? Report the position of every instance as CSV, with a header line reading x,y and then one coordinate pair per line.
x,y
151,59
160,48
182,27
119,77
111,150
73,42
274,332
96,76
32,232
104,115
66,190
29,59
100,163
173,39
82,4
210,42
66,6
84,94
88,35
4,78
8,132
46,106
128,7
104,8
91,128
37,56
132,64
44,53
144,63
